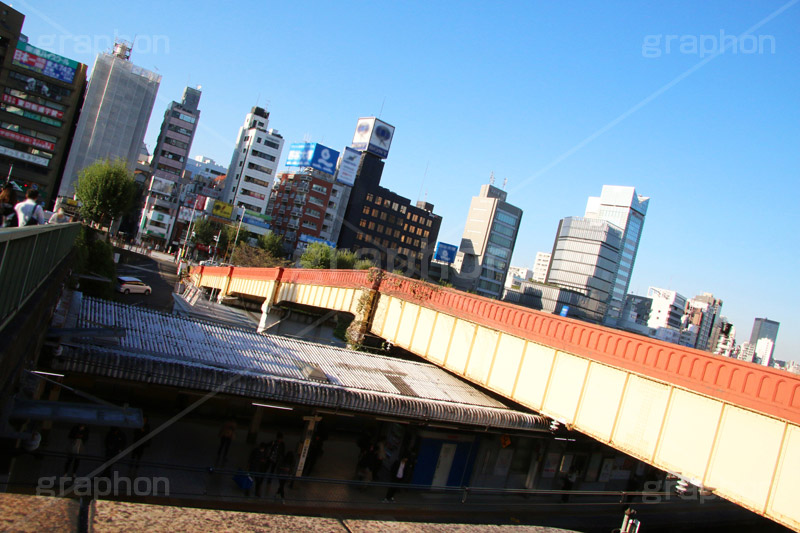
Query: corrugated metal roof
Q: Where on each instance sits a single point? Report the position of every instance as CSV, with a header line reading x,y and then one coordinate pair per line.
x,y
182,352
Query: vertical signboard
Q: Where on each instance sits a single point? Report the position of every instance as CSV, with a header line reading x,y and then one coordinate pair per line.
x,y
348,167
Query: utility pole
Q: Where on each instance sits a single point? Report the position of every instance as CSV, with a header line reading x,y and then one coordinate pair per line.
x,y
236,240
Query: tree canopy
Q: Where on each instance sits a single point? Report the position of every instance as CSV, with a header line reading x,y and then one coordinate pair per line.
x,y
250,256
318,255
272,243
105,190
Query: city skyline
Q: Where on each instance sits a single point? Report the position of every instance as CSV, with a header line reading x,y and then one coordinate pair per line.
x,y
558,100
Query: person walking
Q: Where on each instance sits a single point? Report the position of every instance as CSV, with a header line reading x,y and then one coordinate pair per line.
x,y
138,435
401,473
226,436
8,199
115,443
78,436
284,470
59,217
29,213
275,452
258,466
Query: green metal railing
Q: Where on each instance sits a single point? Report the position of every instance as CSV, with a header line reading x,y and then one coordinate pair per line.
x,y
28,256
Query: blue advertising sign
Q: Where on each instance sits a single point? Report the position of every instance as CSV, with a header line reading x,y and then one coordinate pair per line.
x,y
312,155
564,310
445,253
253,221
309,239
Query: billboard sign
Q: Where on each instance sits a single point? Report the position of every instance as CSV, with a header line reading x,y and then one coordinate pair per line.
x,y
161,186
348,167
309,239
222,210
312,155
374,136
185,214
255,221
446,253
46,63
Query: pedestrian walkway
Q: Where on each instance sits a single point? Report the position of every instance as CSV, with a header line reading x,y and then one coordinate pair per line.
x,y
185,453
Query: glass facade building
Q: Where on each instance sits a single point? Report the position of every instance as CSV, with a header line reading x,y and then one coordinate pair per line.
x,y
488,242
585,258
625,209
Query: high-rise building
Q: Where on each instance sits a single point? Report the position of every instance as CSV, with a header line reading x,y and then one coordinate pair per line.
x,y
114,116
488,242
636,314
764,328
253,163
585,259
162,200
540,266
699,317
206,178
625,209
42,93
666,313
378,223
723,338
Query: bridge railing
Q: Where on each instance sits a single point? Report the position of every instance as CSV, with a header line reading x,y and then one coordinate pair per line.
x,y
28,256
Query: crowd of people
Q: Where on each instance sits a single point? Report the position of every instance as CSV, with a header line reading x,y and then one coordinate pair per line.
x,y
28,212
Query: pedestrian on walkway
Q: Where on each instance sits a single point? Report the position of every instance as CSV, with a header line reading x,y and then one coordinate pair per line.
x,y
258,466
379,456
226,436
29,212
284,469
115,443
140,434
275,452
8,199
401,473
314,453
78,436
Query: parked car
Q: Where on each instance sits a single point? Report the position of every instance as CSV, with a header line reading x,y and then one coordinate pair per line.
x,y
128,284
209,263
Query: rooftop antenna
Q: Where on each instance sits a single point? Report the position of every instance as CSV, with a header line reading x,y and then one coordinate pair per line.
x,y
306,137
421,185
505,182
491,178
381,112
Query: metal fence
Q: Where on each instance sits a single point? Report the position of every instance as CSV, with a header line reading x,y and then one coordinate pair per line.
x,y
28,256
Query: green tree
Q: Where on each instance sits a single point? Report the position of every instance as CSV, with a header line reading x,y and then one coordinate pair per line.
x,y
363,264
105,190
317,255
204,231
272,243
252,256
343,259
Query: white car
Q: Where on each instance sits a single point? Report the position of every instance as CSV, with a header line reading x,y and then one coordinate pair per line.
x,y
127,285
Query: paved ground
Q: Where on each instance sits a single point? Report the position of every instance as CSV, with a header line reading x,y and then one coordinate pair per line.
x,y
157,270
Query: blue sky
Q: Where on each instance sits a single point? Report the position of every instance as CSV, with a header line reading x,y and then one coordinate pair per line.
x,y
558,98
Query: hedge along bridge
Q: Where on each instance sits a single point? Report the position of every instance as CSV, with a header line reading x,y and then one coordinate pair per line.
x,y
722,424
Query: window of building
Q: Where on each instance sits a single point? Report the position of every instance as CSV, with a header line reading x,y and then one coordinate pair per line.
x,y
378,200
395,206
383,215
380,228
375,213
370,196
387,203
313,213
403,209
362,223
319,188
271,144
371,226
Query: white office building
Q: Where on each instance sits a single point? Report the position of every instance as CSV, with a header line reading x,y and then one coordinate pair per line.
x,y
625,209
540,266
488,242
254,163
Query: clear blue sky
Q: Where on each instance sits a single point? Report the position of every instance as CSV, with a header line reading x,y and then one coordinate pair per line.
x,y
557,98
